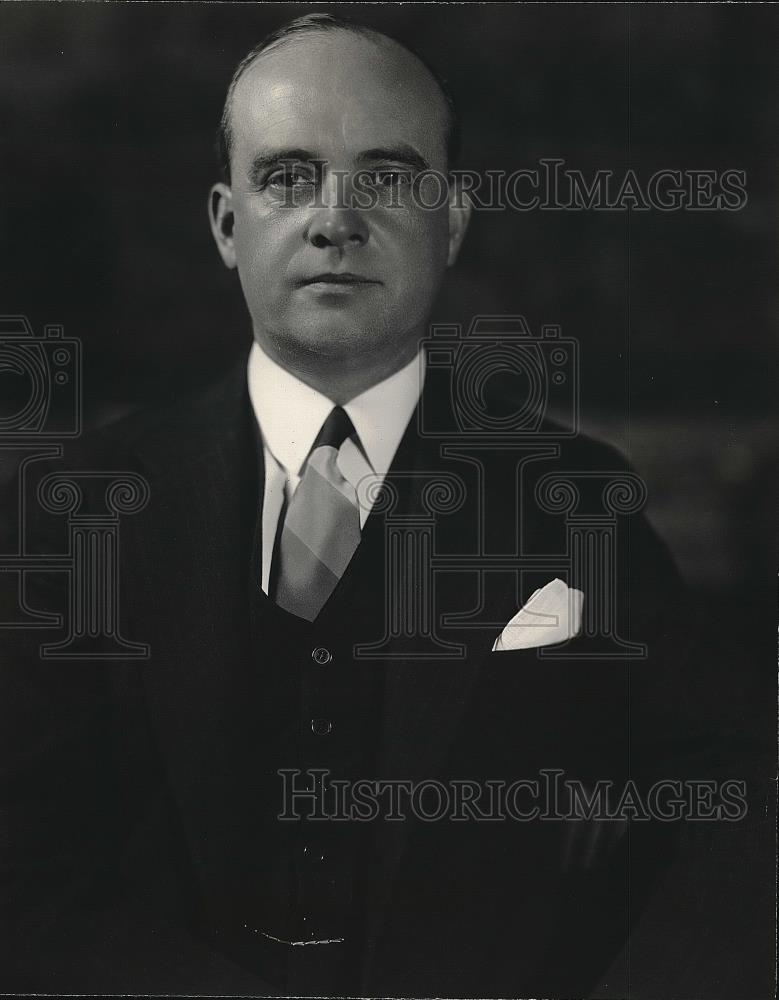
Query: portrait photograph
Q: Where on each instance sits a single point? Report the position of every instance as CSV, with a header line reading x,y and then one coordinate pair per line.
x,y
388,494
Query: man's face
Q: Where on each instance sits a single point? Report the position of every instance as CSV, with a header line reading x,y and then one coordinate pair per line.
x,y
362,108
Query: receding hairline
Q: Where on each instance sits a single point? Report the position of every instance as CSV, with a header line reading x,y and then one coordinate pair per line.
x,y
378,38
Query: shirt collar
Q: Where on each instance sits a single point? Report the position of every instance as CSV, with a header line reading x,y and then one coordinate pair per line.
x,y
291,413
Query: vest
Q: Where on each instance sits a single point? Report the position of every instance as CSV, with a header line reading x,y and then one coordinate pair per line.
x,y
318,710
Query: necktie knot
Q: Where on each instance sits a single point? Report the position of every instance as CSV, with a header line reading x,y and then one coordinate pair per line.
x,y
335,430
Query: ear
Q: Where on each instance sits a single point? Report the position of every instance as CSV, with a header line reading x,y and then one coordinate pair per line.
x,y
459,216
222,219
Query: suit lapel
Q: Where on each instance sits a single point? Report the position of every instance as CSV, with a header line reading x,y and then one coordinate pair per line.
x,y
190,554
424,700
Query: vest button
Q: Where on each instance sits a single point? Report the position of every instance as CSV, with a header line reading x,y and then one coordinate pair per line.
x,y
321,727
321,655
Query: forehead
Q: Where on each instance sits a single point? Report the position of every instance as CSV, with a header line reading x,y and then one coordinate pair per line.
x,y
337,93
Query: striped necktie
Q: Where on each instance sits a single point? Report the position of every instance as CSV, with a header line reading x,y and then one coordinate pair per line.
x,y
321,529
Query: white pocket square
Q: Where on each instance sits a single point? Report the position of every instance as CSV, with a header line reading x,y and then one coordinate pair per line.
x,y
553,614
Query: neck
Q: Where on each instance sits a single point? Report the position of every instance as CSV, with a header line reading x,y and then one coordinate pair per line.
x,y
339,379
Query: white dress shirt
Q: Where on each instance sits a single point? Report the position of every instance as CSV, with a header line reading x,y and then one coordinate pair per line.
x,y
290,414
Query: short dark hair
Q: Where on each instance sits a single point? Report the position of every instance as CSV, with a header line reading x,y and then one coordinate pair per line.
x,y
326,22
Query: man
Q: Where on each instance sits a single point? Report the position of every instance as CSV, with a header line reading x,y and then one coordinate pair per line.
x,y
147,851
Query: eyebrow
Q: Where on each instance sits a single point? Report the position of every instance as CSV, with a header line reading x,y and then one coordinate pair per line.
x,y
402,153
264,161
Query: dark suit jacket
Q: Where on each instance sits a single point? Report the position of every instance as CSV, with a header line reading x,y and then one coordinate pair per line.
x,y
127,784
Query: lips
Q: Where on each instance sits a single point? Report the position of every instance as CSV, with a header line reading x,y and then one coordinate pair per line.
x,y
338,278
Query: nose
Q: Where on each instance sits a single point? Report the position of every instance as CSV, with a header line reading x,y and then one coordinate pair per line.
x,y
336,222
337,227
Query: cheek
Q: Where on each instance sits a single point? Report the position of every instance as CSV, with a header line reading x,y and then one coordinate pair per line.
x,y
423,241
419,241
264,240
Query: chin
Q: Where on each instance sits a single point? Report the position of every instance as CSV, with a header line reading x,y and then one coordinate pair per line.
x,y
337,339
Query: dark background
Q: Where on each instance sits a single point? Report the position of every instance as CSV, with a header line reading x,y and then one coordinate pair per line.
x,y
107,119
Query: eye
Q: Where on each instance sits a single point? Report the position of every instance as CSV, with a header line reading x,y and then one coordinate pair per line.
x,y
389,177
289,177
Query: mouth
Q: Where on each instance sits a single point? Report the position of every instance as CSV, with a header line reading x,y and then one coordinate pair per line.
x,y
336,279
